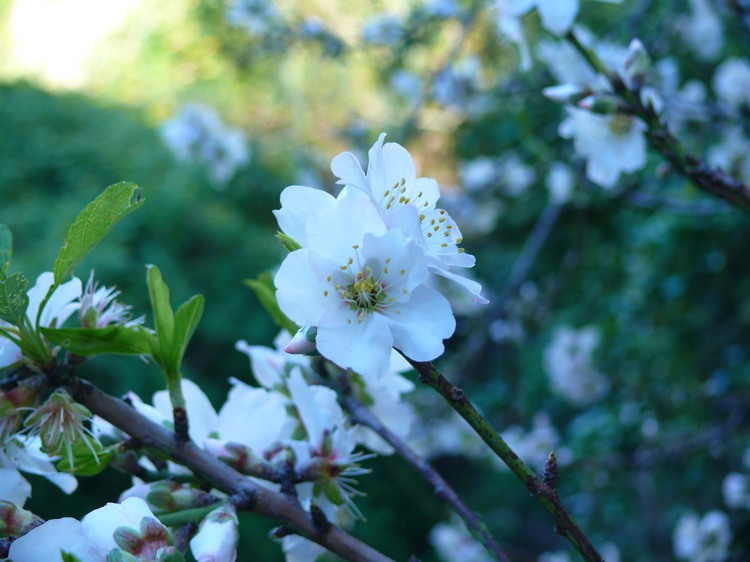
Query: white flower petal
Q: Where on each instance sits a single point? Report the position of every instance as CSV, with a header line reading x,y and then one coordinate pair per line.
x,y
253,417
300,286
202,417
363,346
333,232
46,541
558,15
14,488
99,525
345,166
420,325
297,203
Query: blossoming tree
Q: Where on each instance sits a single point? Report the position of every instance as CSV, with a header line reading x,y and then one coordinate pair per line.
x,y
366,298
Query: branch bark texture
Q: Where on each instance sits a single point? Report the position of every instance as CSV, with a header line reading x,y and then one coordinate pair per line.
x,y
258,500
546,494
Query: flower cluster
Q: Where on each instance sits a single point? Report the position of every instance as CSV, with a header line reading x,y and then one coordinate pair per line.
x,y
262,431
366,262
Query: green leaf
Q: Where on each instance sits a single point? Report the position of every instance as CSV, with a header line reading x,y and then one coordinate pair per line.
x,y
265,290
84,461
6,249
112,339
13,298
68,557
92,225
185,321
162,309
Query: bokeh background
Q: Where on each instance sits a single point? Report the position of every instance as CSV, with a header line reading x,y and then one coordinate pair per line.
x,y
618,328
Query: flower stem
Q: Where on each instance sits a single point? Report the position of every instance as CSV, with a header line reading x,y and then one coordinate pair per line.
x,y
363,415
544,493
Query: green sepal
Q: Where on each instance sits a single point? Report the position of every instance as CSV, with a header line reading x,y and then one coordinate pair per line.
x,y
84,462
92,224
87,342
265,290
68,557
332,492
6,249
288,242
171,556
13,298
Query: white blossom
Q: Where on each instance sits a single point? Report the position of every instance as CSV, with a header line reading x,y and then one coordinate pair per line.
x,y
569,365
736,490
703,30
197,134
731,82
383,29
454,543
611,144
217,537
557,17
60,306
399,196
256,17
702,539
559,183
90,539
534,446
361,284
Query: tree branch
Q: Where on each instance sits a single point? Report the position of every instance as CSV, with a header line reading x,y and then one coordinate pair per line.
x,y
363,415
259,500
706,178
545,493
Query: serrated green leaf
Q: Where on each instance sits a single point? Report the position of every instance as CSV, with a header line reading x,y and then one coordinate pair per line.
x,y
6,249
92,225
112,339
84,461
266,292
13,298
185,321
163,313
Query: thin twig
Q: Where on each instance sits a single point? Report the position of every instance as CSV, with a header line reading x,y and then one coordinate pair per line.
x,y
544,493
363,415
706,178
260,500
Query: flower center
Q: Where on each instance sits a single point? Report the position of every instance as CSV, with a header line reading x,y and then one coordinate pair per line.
x,y
620,124
366,293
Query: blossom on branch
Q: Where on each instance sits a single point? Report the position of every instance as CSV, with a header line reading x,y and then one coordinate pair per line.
x,y
391,184
362,285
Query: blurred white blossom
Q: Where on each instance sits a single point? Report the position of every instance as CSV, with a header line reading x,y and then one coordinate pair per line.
x,y
702,539
731,82
732,153
702,30
453,543
382,29
569,365
736,490
535,445
611,144
197,134
256,17
559,183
